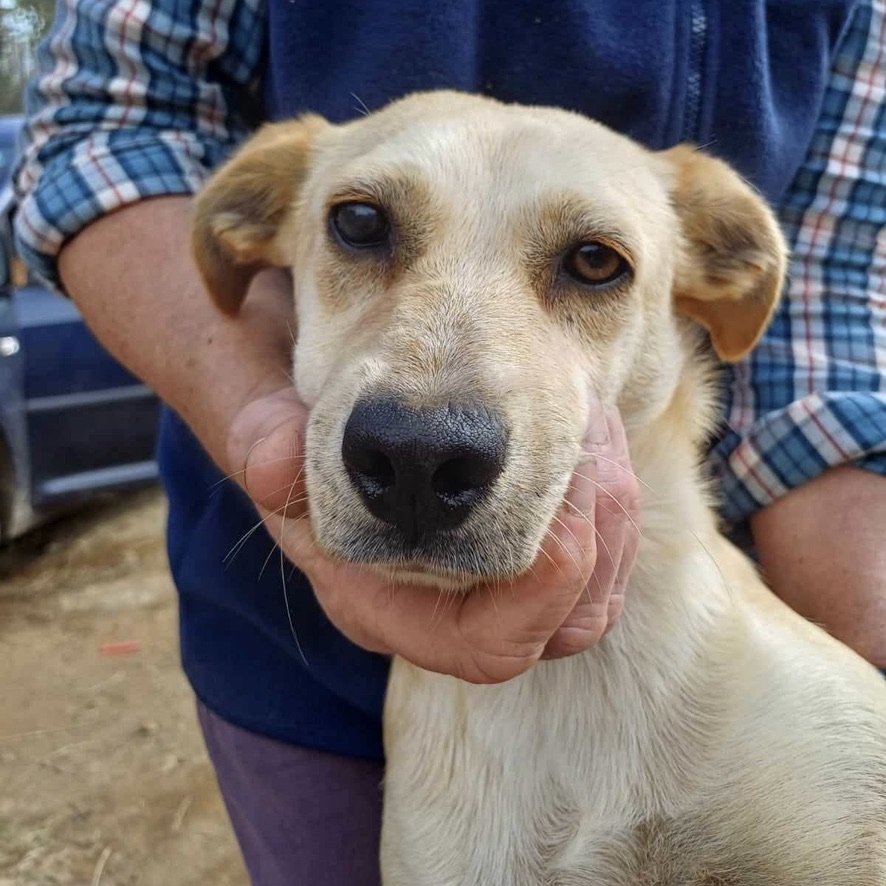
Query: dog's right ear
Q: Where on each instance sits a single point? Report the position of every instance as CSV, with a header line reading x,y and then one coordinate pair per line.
x,y
239,212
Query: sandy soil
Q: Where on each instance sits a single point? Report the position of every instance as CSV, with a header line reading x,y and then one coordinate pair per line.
x,y
104,780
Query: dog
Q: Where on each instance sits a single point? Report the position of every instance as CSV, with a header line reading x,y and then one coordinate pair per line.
x,y
465,272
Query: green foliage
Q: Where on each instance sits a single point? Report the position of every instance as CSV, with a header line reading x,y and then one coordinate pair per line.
x,y
22,25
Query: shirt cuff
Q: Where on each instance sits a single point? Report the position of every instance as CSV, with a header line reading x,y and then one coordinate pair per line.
x,y
99,175
786,448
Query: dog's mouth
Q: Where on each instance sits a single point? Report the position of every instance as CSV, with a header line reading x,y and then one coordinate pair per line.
x,y
449,560
417,573
444,495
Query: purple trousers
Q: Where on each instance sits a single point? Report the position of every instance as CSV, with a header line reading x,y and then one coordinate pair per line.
x,y
302,817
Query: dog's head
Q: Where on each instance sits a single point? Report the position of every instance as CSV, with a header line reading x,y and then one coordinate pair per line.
x,y
466,273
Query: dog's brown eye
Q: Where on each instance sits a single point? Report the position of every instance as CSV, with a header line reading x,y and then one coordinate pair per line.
x,y
360,225
595,264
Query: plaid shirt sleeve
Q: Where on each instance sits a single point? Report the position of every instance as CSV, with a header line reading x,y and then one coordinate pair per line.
x,y
812,395
130,100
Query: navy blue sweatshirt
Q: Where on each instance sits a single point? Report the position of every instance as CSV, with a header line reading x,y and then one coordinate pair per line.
x,y
745,78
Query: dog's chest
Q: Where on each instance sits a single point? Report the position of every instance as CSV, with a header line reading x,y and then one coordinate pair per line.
x,y
579,793
656,852
525,785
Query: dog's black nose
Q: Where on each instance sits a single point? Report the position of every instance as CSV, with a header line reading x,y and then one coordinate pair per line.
x,y
422,469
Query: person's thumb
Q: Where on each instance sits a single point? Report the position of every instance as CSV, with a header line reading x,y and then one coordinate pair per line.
x,y
265,450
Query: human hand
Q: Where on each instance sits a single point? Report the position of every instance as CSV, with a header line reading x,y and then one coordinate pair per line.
x,y
569,599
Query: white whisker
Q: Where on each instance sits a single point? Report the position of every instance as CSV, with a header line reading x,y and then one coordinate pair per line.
x,y
284,581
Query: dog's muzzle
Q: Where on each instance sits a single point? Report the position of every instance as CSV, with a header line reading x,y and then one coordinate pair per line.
x,y
422,470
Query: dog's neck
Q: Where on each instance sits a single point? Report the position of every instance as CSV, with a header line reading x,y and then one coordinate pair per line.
x,y
677,592
655,680
667,456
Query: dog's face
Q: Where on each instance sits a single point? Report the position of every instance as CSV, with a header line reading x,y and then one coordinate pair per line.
x,y
467,276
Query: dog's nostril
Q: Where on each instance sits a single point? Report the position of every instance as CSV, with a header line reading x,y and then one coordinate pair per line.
x,y
450,478
464,475
372,464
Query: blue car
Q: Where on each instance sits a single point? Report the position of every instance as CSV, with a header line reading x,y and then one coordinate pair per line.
x,y
73,421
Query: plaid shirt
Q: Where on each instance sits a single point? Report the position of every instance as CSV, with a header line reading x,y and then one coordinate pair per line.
x,y
137,99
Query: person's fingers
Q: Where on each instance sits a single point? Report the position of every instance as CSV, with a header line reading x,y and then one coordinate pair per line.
x,y
625,504
628,559
265,449
589,619
616,521
489,635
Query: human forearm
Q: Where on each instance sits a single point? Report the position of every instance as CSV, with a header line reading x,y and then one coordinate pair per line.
x,y
132,277
822,551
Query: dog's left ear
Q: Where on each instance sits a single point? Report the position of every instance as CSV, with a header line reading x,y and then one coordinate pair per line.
x,y
733,258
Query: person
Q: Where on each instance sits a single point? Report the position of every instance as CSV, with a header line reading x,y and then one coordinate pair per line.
x,y
134,104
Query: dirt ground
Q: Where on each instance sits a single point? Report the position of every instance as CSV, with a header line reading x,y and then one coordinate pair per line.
x,y
104,780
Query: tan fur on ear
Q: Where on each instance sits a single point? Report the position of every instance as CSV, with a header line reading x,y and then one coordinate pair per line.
x,y
731,272
239,212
